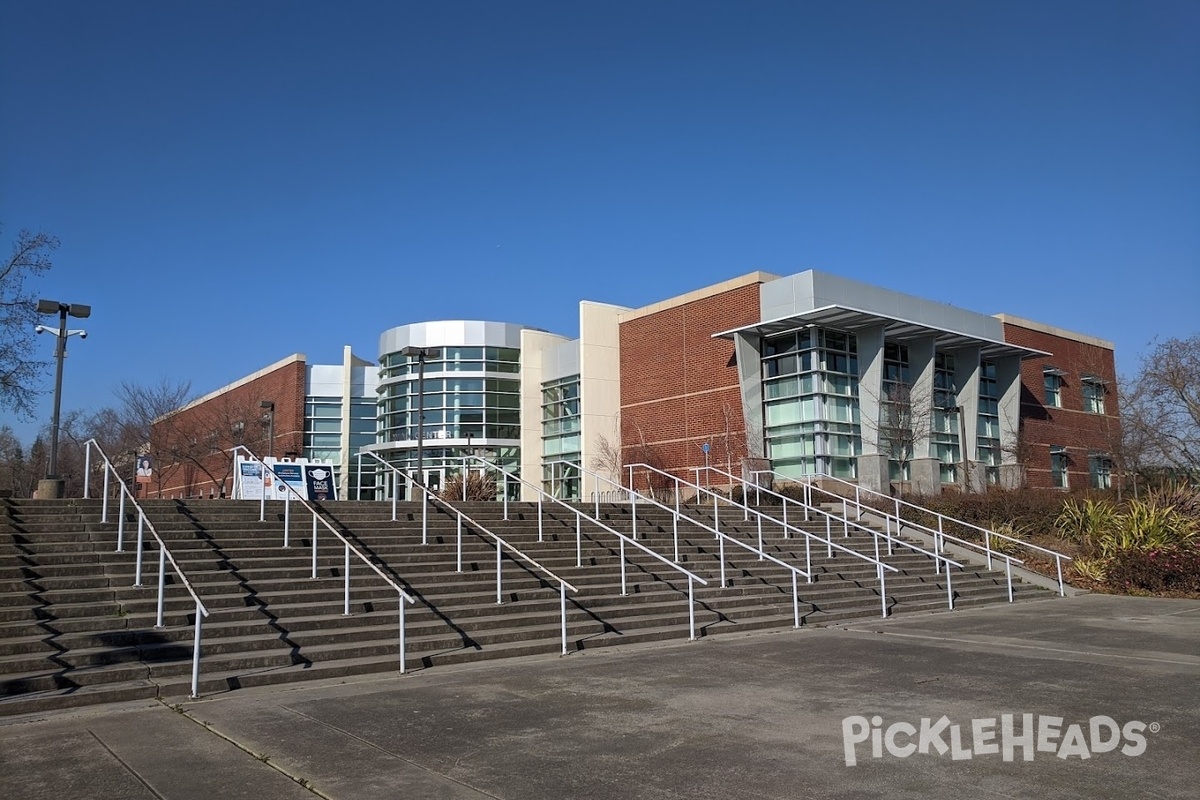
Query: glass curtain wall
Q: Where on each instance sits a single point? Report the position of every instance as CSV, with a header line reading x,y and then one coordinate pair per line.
x,y
896,412
468,396
944,440
810,403
987,443
561,424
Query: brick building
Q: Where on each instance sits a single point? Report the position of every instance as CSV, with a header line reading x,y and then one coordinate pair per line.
x,y
807,374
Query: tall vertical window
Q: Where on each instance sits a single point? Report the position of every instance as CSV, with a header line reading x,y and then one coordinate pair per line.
x,y
1093,394
1100,470
987,432
561,425
944,438
1053,387
1058,467
810,402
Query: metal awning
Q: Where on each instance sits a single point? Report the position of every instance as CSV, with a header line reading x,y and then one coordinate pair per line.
x,y
895,329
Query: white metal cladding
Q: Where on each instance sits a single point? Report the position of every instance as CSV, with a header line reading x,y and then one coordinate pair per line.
x,y
452,333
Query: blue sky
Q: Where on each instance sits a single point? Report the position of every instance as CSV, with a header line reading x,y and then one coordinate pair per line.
x,y
237,181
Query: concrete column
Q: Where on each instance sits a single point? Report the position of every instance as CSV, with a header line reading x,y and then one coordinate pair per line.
x,y
924,467
748,354
966,381
872,461
1008,384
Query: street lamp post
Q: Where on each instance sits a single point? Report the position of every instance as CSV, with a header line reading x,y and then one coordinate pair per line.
x,y
52,486
420,353
270,407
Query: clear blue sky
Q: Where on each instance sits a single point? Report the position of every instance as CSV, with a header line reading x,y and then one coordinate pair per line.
x,y
237,181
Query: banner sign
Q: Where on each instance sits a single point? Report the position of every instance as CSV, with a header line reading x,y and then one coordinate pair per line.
x,y
250,484
312,480
319,481
293,476
145,470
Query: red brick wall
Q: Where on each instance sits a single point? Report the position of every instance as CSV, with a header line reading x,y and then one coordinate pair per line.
x,y
679,386
1070,426
185,469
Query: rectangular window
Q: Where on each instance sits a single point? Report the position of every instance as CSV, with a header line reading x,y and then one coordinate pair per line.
x,y
1093,395
1053,388
1100,470
1058,467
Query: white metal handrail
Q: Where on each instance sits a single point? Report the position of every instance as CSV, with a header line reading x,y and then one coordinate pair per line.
x,y
428,495
721,536
164,552
938,535
621,538
404,597
847,523
881,568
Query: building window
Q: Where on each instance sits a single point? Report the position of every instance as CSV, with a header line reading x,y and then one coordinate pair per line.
x,y
1100,470
810,403
944,438
1093,395
1053,380
561,438
1058,467
987,431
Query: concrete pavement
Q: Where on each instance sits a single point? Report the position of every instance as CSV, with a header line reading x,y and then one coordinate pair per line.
x,y
762,716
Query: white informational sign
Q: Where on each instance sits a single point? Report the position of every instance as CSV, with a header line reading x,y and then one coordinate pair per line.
x,y
310,480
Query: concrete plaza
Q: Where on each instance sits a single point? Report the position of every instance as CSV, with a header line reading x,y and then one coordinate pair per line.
x,y
759,716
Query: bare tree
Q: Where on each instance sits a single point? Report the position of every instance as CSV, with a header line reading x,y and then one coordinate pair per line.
x,y
607,459
906,417
1161,406
196,447
19,370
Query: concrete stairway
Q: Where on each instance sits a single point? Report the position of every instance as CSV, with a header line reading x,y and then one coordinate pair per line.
x,y
74,630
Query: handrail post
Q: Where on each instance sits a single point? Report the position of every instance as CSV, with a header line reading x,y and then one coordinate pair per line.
x,y
424,517
949,588
395,493
196,652
540,496
262,496
721,546
87,467
882,587
675,533
402,657
562,610
464,478
346,591
121,523
358,488
104,506
808,556
287,517
162,584
137,572
691,610
796,601
578,539
459,539
623,587
760,545
1058,563
506,495
1008,575
632,508
314,547
499,599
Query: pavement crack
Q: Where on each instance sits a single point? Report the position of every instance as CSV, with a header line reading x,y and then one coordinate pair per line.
x,y
124,764
263,757
391,754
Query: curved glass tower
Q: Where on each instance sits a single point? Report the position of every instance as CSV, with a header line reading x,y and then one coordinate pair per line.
x,y
472,396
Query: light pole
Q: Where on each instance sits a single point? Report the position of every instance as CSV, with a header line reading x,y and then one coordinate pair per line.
x,y
52,486
270,407
420,353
